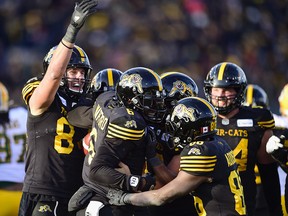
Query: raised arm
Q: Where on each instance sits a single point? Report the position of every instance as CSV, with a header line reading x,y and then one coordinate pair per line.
x,y
44,94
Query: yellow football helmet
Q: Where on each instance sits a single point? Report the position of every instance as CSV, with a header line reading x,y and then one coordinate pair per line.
x,y
4,98
283,101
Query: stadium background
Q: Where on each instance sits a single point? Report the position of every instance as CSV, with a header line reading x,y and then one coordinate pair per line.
x,y
166,35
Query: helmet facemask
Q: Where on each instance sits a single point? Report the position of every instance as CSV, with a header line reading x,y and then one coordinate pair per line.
x,y
179,134
80,85
79,59
192,119
231,102
151,105
141,89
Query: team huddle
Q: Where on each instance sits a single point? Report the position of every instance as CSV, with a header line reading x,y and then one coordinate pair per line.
x,y
143,143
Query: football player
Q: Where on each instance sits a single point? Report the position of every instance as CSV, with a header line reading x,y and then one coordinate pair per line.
x,y
177,85
119,135
12,151
255,96
207,165
246,130
278,144
54,151
104,80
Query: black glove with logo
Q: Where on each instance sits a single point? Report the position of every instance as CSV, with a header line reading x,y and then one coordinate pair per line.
x,y
140,183
81,11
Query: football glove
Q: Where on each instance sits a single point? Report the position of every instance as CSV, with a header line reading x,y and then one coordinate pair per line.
x,y
273,144
141,183
81,11
116,197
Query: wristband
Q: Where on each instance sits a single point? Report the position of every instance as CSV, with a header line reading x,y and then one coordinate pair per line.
x,y
126,199
66,45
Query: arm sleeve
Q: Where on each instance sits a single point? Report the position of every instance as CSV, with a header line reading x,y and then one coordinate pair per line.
x,y
81,117
104,163
124,135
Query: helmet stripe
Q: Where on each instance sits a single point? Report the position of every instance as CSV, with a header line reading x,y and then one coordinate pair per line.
x,y
207,104
221,71
157,78
249,96
168,73
110,77
82,55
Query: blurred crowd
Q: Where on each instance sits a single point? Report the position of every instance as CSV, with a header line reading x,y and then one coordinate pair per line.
x,y
166,35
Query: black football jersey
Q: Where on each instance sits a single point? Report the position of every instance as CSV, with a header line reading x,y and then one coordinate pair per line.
x,y
54,154
243,132
224,192
118,134
182,206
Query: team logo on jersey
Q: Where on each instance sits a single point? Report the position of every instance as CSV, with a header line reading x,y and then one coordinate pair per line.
x,y
44,208
130,124
182,112
181,87
194,151
133,81
245,123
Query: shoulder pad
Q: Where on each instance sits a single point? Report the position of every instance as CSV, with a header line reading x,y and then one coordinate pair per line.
x,y
262,117
29,87
126,124
197,158
266,119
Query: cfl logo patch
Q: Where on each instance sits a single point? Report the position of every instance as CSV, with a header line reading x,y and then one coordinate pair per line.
x,y
134,181
45,208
